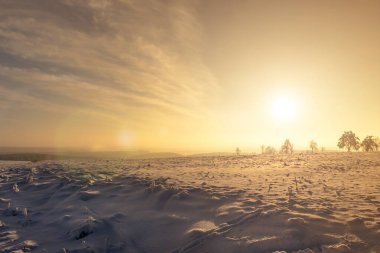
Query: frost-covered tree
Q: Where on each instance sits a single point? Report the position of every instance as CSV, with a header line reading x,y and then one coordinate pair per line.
x,y
349,141
313,146
287,148
270,150
369,144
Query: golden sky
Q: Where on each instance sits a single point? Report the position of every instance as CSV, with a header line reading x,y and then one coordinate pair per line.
x,y
187,75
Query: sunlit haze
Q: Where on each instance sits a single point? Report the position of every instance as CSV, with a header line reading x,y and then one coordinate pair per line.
x,y
284,108
187,76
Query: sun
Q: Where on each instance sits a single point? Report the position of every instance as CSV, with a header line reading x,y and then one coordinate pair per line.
x,y
284,108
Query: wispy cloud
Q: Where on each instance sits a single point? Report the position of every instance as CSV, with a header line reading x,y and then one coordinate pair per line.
x,y
110,57
132,52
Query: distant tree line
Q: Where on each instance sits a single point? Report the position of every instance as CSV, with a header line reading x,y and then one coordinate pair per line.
x,y
348,141
286,148
29,157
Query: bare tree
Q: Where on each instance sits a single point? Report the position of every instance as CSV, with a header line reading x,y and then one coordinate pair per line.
x,y
262,149
313,146
349,140
287,148
237,151
369,144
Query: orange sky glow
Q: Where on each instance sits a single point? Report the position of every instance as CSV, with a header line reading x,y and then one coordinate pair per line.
x,y
187,76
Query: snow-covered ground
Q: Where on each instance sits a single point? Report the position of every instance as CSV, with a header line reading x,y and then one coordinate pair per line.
x,y
327,202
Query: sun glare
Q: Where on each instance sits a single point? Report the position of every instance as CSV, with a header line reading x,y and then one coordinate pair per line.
x,y
284,108
125,138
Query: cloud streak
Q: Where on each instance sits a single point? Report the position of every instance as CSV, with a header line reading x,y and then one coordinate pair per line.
x,y
112,58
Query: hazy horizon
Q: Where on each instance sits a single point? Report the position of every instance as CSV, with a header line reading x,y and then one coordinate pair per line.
x,y
187,76
231,150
